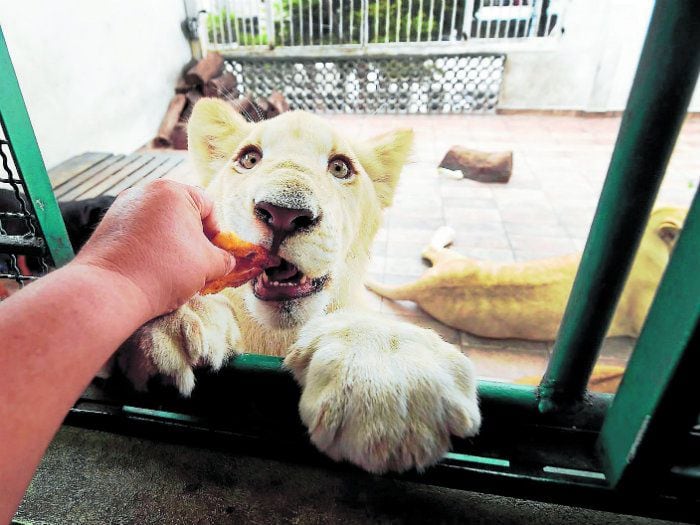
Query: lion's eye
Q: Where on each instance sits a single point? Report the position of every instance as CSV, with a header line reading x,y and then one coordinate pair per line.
x,y
250,158
340,168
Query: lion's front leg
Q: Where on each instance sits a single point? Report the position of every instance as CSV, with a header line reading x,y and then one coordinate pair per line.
x,y
382,394
201,332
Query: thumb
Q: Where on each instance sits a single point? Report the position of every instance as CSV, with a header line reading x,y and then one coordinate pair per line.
x,y
220,263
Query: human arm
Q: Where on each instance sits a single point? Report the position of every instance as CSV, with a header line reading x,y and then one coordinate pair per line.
x,y
147,257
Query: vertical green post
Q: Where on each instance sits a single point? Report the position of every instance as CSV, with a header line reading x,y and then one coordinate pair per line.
x,y
662,88
30,165
658,402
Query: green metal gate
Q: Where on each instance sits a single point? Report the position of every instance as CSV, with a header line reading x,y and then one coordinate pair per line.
x,y
556,442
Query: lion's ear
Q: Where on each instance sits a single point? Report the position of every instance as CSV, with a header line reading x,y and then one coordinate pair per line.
x,y
383,158
214,130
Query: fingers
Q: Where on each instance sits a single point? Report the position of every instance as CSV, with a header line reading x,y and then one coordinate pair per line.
x,y
205,206
219,262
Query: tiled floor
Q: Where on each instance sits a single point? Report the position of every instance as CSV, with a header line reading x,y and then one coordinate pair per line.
x,y
559,164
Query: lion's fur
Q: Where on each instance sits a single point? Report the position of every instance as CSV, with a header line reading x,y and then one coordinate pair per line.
x,y
526,300
215,131
383,394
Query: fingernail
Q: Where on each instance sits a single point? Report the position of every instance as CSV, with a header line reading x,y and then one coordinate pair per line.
x,y
231,263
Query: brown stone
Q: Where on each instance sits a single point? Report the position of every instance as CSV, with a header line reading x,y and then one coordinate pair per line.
x,y
183,87
203,71
249,109
479,165
278,102
222,87
170,119
178,137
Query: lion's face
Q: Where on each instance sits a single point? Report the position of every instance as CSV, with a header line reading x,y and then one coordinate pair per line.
x,y
297,186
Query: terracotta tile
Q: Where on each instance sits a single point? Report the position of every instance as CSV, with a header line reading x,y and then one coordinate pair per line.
x,y
479,217
402,219
473,341
456,189
424,320
533,255
467,202
619,348
472,239
530,216
378,248
418,235
548,230
377,263
411,266
507,364
539,243
488,254
401,248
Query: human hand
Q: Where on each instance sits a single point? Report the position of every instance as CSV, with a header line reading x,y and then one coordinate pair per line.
x,y
156,238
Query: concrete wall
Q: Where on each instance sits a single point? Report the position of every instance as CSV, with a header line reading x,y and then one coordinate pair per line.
x,y
95,75
590,68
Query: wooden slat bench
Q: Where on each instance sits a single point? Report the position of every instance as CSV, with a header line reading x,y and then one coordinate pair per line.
x,y
95,173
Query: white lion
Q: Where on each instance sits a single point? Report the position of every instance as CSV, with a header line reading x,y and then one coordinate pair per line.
x,y
382,394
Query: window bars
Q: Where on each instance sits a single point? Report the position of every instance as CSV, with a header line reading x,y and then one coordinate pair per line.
x,y
240,25
31,228
556,442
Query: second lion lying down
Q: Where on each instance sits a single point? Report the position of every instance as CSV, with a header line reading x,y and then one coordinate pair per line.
x,y
526,300
382,394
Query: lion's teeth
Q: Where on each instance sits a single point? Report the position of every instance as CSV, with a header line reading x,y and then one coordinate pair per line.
x,y
265,278
304,280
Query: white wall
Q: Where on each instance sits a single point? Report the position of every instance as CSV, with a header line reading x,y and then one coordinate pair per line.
x,y
96,75
590,68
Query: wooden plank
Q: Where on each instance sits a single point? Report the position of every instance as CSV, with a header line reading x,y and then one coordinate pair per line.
x,y
74,166
78,179
183,173
162,170
116,177
126,163
146,170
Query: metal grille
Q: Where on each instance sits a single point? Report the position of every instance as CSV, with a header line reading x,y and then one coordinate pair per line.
x,y
22,247
240,26
438,84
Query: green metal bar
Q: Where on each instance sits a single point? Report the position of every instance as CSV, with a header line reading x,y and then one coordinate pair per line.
x,y
514,402
662,88
657,403
18,131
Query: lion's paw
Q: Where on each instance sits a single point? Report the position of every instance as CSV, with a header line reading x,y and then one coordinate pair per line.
x,y
202,332
381,394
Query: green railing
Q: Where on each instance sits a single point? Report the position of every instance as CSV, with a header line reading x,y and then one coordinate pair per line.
x,y
19,135
556,442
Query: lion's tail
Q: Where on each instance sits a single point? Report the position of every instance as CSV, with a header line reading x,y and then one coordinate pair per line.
x,y
396,293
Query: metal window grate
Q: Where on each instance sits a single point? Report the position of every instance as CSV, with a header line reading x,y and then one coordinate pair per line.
x,y
432,84
32,233
22,248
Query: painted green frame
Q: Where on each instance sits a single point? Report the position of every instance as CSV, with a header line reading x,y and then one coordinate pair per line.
x,y
558,425
657,105
657,403
19,133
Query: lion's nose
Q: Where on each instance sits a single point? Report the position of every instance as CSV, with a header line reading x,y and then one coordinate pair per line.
x,y
284,220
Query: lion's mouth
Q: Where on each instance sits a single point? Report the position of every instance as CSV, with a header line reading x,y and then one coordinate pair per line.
x,y
285,282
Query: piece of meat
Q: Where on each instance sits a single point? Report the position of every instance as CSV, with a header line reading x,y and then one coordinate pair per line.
x,y
251,261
